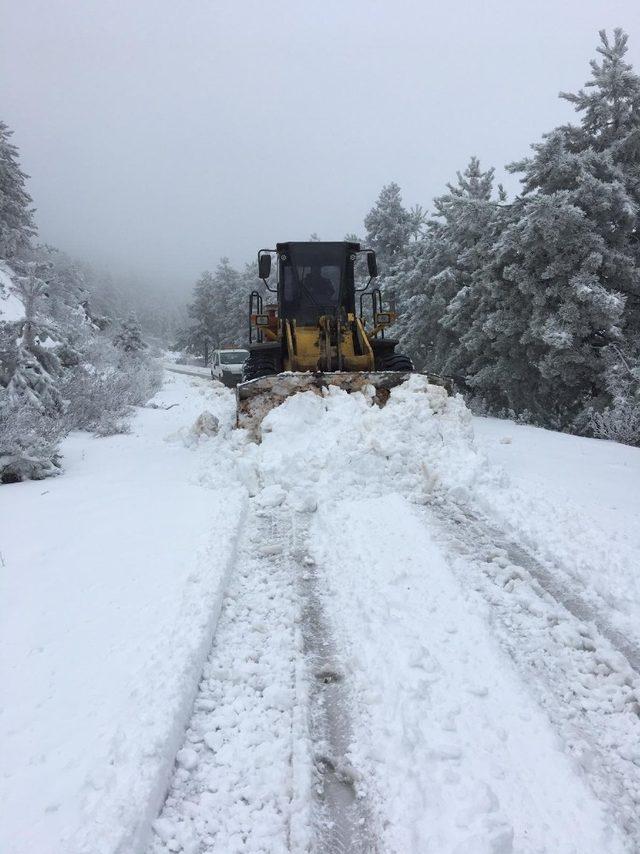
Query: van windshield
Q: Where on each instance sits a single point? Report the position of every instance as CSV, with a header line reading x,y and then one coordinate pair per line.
x,y
233,357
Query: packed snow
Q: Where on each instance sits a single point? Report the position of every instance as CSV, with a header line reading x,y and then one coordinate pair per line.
x,y
188,608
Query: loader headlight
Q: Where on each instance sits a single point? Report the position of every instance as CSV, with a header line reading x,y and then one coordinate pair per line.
x,y
262,319
383,318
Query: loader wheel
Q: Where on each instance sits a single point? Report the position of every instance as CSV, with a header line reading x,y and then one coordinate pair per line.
x,y
260,365
387,359
382,352
398,362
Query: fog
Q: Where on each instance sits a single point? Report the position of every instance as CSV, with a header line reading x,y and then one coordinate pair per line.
x,y
160,135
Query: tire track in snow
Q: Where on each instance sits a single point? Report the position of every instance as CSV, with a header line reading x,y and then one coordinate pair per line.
x,y
583,672
342,823
232,787
543,573
264,765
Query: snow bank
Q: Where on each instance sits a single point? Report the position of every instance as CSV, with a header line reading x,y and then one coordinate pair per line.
x,y
111,583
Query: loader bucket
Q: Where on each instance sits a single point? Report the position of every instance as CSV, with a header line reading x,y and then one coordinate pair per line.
x,y
256,398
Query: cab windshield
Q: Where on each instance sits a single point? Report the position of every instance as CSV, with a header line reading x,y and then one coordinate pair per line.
x,y
233,357
312,277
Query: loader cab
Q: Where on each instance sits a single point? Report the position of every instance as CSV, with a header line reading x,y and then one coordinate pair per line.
x,y
316,279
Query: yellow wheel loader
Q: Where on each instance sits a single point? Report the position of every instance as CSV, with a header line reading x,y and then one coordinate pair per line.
x,y
314,334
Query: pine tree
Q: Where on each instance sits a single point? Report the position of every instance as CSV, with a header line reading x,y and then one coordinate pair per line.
x,y
389,226
219,309
439,267
34,379
230,311
545,315
611,106
129,338
590,177
201,330
16,215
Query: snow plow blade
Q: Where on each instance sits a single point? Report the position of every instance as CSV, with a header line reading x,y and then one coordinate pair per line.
x,y
256,398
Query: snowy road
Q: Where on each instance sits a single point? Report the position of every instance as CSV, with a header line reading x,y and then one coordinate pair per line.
x,y
401,662
438,737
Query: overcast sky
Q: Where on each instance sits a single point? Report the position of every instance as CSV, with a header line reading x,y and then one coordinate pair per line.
x,y
162,134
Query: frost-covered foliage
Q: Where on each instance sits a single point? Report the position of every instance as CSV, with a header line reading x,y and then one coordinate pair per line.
x,y
621,420
524,304
129,338
100,394
389,227
218,311
436,274
58,368
16,214
28,442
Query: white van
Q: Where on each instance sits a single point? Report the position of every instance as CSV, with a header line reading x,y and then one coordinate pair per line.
x,y
226,365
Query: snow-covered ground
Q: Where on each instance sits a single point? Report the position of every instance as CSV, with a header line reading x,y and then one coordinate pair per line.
x,y
426,630
112,577
576,502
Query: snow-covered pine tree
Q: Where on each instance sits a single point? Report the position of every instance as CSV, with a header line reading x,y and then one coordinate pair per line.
x,y
439,268
609,108
16,215
129,337
593,169
36,368
218,311
230,310
199,336
389,227
30,399
544,313
418,219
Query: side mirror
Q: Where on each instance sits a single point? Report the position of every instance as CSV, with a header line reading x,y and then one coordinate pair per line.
x,y
264,265
372,264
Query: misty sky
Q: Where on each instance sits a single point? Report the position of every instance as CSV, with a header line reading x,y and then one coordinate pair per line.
x,y
162,134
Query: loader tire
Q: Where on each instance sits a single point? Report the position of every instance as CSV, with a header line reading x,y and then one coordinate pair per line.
x,y
398,362
382,352
387,359
259,365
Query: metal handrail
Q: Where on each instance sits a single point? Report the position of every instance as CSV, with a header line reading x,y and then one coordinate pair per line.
x,y
255,296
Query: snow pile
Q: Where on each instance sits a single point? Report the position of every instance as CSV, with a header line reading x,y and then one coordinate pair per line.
x,y
421,441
